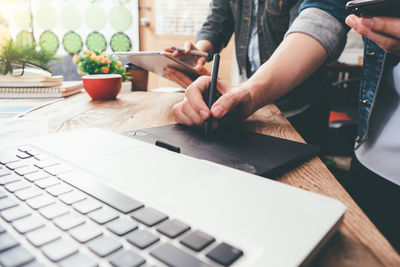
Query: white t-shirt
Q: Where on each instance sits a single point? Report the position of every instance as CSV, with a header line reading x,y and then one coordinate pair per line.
x,y
381,152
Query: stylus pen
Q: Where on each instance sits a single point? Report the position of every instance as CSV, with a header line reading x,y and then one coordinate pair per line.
x,y
211,90
192,52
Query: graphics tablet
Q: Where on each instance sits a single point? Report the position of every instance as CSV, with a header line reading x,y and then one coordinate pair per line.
x,y
247,151
156,61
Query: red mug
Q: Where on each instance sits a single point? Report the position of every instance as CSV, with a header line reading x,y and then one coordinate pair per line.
x,y
102,86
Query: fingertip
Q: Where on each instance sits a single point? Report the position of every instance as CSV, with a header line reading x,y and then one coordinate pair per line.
x,y
217,111
204,114
351,21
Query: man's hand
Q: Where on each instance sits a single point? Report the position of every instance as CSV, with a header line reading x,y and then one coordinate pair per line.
x,y
383,31
178,76
189,46
234,103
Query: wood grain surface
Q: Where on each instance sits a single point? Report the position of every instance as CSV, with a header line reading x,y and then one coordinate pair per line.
x,y
357,243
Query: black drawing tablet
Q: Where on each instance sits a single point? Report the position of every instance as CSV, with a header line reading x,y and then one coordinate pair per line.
x,y
247,151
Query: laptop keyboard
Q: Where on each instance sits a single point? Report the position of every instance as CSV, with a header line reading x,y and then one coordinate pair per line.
x,y
74,220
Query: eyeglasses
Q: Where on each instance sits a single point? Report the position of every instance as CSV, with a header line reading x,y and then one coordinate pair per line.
x,y
19,67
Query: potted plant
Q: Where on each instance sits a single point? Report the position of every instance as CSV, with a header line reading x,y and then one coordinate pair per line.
x,y
102,74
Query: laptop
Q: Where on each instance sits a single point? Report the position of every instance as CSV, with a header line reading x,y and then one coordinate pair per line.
x,y
96,198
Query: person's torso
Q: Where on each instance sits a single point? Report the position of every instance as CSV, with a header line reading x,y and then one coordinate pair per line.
x,y
381,150
273,20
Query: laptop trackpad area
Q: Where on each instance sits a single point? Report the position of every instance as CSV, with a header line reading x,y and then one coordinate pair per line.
x,y
150,173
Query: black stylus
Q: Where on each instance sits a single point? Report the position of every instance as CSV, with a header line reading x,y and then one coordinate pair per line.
x,y
211,91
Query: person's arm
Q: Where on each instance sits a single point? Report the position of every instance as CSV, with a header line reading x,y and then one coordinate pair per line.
x,y
298,56
315,37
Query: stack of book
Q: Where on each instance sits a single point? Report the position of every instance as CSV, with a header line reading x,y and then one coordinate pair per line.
x,y
28,86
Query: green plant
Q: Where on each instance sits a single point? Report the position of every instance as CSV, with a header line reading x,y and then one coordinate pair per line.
x,y
96,62
13,52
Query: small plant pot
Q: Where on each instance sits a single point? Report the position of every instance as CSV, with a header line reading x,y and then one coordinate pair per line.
x,y
102,86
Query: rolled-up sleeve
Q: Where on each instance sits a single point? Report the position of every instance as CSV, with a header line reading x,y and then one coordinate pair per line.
x,y
323,27
219,25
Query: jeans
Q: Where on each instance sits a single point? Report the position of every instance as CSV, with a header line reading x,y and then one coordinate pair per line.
x,y
378,198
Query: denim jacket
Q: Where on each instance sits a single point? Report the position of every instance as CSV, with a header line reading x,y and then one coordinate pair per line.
x,y
374,58
234,16
273,20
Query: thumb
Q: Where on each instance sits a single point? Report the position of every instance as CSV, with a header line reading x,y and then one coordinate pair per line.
x,y
223,105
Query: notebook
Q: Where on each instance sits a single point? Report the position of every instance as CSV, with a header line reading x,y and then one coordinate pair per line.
x,y
63,90
247,151
30,81
92,197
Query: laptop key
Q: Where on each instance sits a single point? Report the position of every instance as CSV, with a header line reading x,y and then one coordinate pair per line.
x,y
142,239
103,215
173,256
87,205
46,182
6,203
78,259
57,169
28,193
46,163
40,201
36,176
72,197
9,179
2,194
173,228
68,221
34,264
23,155
17,256
25,148
127,258
224,254
197,240
149,216
17,164
15,213
104,245
42,236
122,226
26,170
27,224
4,172
105,194
59,189
59,250
7,241
85,232
16,186
6,158
53,211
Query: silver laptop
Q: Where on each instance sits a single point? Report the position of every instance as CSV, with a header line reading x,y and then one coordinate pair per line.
x,y
96,198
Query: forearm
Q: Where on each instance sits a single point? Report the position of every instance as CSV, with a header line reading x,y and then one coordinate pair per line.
x,y
296,58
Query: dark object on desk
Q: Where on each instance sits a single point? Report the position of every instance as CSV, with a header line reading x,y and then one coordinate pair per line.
x,y
247,151
139,77
375,8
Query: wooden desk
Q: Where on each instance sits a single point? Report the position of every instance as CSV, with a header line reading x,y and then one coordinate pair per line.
x,y
358,242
